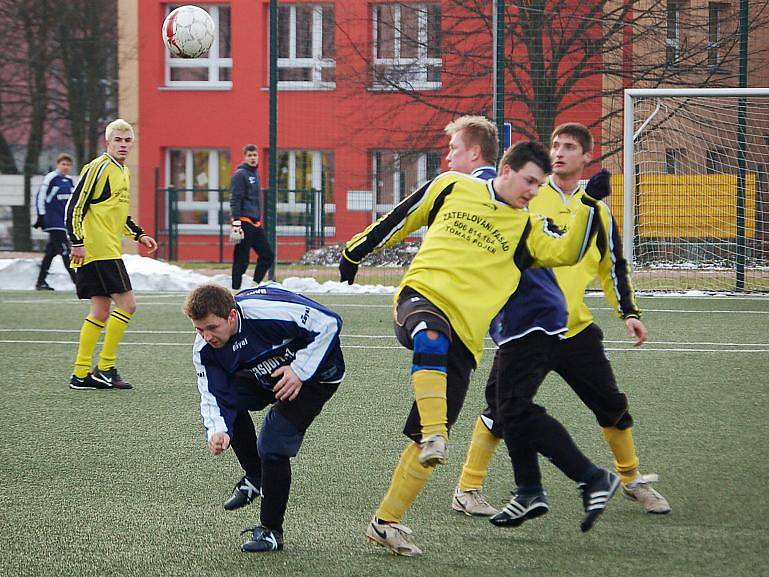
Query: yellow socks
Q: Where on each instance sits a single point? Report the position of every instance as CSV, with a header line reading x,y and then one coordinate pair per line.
x,y
118,321
625,459
89,336
479,454
407,482
430,395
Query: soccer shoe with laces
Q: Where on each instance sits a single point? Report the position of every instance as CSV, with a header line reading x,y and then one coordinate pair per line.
x,y
641,491
595,497
393,537
434,451
43,286
111,378
86,383
243,493
472,502
262,540
520,508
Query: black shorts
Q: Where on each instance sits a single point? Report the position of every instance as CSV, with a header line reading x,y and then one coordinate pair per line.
x,y
414,313
300,412
102,278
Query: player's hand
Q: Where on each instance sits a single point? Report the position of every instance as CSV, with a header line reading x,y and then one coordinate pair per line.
x,y
39,223
599,185
236,234
219,443
77,255
635,328
289,385
149,242
347,269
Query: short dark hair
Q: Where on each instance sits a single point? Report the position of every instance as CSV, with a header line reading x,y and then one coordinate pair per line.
x,y
526,151
63,156
250,148
208,299
578,132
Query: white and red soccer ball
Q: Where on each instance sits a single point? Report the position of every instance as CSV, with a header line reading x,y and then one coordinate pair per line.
x,y
188,31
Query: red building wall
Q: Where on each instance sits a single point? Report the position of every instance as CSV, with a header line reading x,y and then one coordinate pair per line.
x,y
349,121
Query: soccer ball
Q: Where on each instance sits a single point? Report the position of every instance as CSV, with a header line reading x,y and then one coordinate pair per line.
x,y
188,31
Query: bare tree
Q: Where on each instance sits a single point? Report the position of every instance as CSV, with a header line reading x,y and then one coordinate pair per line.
x,y
563,59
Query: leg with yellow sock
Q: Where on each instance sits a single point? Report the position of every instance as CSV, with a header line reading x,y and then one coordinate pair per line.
x,y
407,482
635,486
584,366
468,497
428,377
90,332
106,372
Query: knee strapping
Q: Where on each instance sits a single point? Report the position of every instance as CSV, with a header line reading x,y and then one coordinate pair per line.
x,y
279,438
430,354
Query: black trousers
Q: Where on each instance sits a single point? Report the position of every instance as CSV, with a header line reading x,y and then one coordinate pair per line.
x,y
581,361
521,366
58,243
254,237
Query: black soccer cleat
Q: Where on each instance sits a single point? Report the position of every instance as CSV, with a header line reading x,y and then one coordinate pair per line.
x,y
110,378
595,497
263,540
243,493
86,383
521,508
43,286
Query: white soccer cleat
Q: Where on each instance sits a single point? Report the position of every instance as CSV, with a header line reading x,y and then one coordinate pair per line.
x,y
642,492
472,502
434,451
394,537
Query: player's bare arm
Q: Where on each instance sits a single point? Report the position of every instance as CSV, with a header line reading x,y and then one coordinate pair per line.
x,y
636,329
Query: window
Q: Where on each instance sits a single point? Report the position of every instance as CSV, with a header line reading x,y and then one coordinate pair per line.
x,y
214,68
305,192
306,48
673,40
198,176
397,174
717,162
673,157
716,13
407,46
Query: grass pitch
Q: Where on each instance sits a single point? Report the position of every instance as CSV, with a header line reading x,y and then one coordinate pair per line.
x,y
120,483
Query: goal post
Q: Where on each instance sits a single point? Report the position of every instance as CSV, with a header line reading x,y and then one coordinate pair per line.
x,y
695,206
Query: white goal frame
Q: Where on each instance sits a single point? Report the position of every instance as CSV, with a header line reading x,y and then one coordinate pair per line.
x,y
630,136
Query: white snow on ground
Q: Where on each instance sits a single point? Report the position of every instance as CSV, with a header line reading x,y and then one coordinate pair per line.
x,y
148,274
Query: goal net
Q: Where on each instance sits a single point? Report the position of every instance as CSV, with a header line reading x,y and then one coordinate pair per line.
x,y
695,208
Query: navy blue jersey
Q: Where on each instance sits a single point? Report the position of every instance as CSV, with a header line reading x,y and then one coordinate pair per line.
x,y
52,198
276,327
538,303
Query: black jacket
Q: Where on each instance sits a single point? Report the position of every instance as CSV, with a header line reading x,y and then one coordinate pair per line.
x,y
246,194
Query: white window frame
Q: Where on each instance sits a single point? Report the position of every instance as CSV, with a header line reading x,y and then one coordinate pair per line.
x,y
212,62
295,206
715,58
673,42
673,159
378,208
418,66
186,202
317,62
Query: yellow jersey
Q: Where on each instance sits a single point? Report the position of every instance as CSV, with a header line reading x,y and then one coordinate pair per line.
x,y
602,259
474,249
97,212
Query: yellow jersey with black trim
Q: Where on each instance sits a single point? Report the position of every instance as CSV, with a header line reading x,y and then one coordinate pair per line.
x,y
602,259
97,212
474,249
